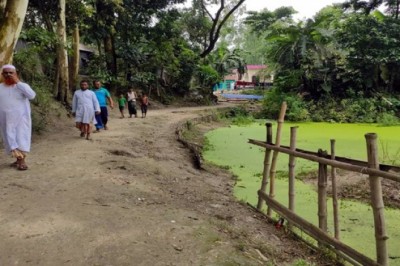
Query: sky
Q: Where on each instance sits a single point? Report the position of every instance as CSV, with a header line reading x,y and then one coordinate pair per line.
x,y
305,8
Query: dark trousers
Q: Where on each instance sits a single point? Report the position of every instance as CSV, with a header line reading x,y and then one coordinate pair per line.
x,y
132,107
102,118
144,108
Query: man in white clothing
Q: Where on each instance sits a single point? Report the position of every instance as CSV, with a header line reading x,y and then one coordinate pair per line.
x,y
15,115
84,107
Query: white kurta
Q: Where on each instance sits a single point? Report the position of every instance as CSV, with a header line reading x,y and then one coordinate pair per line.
x,y
84,105
15,116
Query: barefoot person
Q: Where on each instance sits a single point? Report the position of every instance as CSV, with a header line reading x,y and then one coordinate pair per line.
x,y
15,115
84,107
121,104
144,103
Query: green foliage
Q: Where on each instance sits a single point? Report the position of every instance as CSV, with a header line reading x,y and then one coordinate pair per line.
x,y
207,76
296,111
387,119
351,110
302,262
238,116
29,61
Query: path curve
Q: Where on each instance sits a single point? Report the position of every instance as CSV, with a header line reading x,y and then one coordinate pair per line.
x,y
130,196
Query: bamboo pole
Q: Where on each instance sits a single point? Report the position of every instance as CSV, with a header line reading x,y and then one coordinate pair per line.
x,y
337,164
377,200
383,167
334,194
275,154
315,232
322,195
292,165
267,156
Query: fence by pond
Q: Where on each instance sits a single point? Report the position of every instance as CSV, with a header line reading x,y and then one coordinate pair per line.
x,y
372,168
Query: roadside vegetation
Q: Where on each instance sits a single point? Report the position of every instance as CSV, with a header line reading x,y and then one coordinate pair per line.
x,y
341,65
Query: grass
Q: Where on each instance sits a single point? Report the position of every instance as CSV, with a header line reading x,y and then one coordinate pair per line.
x,y
230,147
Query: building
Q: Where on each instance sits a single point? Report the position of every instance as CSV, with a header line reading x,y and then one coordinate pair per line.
x,y
255,75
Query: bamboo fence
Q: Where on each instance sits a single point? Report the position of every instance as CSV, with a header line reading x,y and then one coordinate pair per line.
x,y
372,168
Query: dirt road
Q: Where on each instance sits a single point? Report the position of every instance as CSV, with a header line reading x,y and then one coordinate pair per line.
x,y
130,196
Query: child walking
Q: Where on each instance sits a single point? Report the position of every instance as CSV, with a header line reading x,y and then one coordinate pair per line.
x,y
144,102
121,103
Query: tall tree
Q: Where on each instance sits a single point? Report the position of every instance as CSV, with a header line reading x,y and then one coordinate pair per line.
x,y
224,11
62,55
12,16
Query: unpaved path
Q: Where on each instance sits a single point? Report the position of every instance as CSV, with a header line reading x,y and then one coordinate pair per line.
x,y
130,196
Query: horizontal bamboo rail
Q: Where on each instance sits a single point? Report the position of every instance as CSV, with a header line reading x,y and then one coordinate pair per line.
x,y
334,163
383,167
315,232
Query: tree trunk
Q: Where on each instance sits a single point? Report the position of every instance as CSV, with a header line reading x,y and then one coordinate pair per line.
x,y
12,18
74,67
62,56
109,52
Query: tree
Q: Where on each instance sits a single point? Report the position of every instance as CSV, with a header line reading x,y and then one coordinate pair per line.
x,y
392,6
224,60
12,16
373,52
62,55
261,21
224,11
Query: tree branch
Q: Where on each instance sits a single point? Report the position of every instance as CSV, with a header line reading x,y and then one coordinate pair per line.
x,y
216,27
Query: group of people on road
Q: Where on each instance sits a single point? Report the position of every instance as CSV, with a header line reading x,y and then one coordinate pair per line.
x,y
131,99
89,106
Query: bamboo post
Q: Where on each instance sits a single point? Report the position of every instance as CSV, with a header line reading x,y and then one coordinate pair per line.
x,y
377,200
322,188
267,156
334,194
292,165
275,154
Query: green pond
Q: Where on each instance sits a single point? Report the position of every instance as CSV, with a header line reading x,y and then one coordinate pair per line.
x,y
229,147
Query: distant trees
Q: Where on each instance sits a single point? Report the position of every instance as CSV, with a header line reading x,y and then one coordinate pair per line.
x,y
335,52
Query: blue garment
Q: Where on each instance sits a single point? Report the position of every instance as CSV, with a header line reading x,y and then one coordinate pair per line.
x,y
102,94
102,118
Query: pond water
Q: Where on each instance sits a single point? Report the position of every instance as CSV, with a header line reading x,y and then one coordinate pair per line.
x,y
229,147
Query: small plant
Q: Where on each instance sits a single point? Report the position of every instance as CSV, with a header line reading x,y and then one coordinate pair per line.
x,y
387,157
302,262
189,125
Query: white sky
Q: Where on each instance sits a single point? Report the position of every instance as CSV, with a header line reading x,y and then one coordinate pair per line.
x,y
305,8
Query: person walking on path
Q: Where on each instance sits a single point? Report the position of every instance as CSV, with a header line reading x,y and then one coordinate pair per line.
x,y
103,95
132,102
84,108
15,115
121,105
144,102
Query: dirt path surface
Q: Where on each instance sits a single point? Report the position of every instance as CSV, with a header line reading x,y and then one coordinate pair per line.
x,y
130,196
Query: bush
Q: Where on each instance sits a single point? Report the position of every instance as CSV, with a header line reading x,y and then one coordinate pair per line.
x,y
297,109
387,119
357,109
